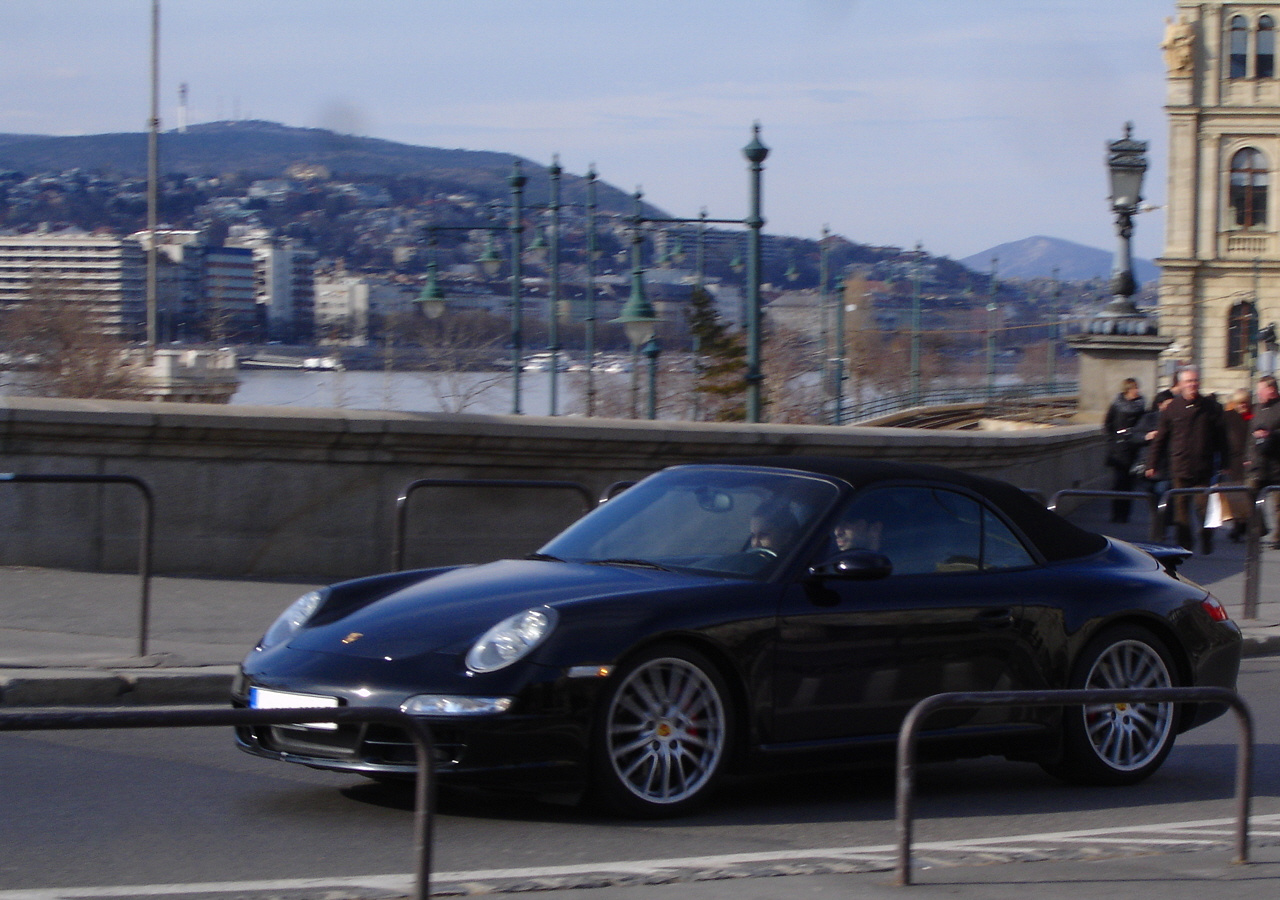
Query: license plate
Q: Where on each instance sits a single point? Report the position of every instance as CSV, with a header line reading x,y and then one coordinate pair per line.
x,y
266,698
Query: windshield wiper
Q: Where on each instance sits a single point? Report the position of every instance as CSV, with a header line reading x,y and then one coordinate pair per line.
x,y
617,561
544,557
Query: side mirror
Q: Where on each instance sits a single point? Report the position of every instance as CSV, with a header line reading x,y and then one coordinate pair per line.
x,y
854,565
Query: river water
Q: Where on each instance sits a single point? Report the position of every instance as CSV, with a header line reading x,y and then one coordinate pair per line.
x,y
471,392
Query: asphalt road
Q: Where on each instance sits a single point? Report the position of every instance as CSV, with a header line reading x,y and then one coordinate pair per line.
x,y
175,807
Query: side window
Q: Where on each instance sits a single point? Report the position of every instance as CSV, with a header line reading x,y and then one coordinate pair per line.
x,y
1265,59
1238,58
926,531
1000,548
1247,192
921,530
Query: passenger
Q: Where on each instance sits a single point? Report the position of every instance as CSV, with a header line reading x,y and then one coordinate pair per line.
x,y
858,534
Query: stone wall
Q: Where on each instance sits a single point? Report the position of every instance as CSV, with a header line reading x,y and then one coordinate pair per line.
x,y
311,494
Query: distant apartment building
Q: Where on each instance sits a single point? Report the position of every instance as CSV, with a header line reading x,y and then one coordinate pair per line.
x,y
106,274
203,292
350,308
284,280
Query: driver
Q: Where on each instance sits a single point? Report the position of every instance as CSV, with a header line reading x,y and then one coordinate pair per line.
x,y
772,529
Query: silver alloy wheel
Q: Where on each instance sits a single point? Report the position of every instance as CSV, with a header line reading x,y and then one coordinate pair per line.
x,y
666,730
1127,736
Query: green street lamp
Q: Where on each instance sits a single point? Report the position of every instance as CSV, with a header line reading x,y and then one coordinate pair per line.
x,y
638,316
991,334
651,350
431,300
592,253
553,298
756,153
915,326
517,181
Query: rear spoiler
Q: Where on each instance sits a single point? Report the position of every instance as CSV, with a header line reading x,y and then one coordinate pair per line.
x,y
1168,555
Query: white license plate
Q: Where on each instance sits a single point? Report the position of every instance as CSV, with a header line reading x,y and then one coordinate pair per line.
x,y
266,698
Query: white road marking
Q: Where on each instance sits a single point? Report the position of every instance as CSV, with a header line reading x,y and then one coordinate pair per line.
x,y
1174,834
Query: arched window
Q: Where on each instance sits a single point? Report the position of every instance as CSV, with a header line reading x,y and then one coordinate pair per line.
x,y
1239,58
1265,61
1248,192
1242,325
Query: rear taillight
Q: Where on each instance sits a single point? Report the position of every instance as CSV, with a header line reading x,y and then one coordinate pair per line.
x,y
1216,610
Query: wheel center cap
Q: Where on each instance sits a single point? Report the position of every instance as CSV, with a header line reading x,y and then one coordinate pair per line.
x,y
663,730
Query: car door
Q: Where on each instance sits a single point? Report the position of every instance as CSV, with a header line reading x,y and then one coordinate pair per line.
x,y
854,655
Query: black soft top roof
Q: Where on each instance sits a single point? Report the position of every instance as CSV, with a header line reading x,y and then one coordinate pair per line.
x,y
1055,537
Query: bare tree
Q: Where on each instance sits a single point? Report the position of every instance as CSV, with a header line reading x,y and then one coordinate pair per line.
x,y
57,338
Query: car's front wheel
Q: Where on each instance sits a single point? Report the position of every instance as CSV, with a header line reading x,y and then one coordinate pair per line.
x,y
662,736
1119,743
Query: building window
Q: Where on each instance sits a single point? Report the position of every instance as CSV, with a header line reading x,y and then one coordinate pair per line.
x,y
1265,61
1248,191
1242,325
1239,57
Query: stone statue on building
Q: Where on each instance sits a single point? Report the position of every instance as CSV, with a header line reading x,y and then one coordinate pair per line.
x,y
1178,46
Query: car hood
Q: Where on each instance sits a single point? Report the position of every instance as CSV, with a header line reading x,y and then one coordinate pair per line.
x,y
449,611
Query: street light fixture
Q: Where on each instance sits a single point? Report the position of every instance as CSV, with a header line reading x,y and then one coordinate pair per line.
x,y
991,333
756,153
1126,163
915,325
517,180
651,350
638,316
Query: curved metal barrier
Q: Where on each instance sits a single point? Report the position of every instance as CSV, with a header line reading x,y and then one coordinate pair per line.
x,y
909,733
402,502
144,537
423,819
1153,506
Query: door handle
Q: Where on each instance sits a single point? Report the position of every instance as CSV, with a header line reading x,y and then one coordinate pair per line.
x,y
995,618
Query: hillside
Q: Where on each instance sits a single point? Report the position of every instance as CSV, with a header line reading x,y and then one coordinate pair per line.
x,y
267,149
1038,257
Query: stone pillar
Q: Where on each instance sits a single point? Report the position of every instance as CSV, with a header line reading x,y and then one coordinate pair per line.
x,y
1106,360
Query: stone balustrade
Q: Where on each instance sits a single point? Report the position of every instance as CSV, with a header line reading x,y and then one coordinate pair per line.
x,y
310,493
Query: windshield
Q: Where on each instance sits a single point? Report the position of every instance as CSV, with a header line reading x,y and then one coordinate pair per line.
x,y
718,520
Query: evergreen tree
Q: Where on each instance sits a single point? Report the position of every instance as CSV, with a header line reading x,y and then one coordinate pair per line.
x,y
720,382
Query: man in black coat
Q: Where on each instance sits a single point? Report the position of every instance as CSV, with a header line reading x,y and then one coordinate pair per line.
x,y
1264,454
1191,430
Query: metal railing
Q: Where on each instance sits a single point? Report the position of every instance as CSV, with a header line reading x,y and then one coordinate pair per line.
x,y
145,536
419,732
861,411
1154,506
402,502
909,732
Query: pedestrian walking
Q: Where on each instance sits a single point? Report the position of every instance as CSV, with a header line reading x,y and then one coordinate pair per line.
x,y
1124,442
1237,418
1264,457
1190,429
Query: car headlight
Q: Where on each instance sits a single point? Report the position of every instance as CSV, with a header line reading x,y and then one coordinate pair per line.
x,y
511,639
291,620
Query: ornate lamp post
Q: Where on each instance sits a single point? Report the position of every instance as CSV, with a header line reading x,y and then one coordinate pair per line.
x,y
591,290
991,334
1126,164
651,349
756,153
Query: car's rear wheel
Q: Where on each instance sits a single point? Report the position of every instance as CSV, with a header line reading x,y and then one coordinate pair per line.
x,y
662,736
1119,743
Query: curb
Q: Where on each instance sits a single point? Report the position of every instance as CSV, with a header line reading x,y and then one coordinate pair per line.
x,y
127,687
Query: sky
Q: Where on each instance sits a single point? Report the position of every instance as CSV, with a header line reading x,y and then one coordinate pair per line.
x,y
959,124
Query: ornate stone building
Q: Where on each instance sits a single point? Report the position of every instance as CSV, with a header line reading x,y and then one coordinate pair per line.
x,y
1220,280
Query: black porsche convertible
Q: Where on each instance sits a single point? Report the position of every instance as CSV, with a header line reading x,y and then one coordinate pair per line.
x,y
743,616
